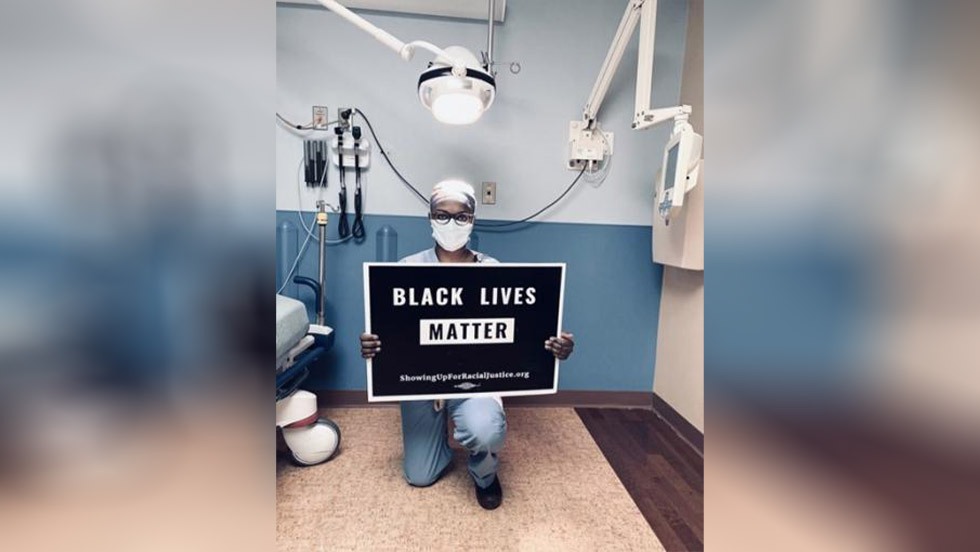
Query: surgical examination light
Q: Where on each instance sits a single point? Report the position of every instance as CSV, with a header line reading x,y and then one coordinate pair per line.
x,y
456,88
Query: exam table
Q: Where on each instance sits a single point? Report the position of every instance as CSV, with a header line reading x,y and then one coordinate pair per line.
x,y
310,438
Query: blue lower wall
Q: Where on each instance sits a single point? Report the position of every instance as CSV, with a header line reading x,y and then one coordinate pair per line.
x,y
612,295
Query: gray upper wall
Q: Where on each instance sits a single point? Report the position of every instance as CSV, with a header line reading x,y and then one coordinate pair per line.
x,y
520,143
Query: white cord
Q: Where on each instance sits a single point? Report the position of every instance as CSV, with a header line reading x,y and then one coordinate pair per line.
x,y
301,130
603,172
299,254
308,229
299,209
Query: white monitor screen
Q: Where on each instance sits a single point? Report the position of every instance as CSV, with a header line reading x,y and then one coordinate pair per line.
x,y
670,171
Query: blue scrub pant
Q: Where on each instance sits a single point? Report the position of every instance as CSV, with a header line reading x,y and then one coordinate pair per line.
x,y
480,428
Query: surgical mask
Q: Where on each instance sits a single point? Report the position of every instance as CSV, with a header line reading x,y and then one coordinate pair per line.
x,y
451,236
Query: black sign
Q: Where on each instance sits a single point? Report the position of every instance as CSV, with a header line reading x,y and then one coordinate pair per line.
x,y
462,330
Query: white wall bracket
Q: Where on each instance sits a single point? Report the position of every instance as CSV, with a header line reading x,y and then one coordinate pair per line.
x,y
348,151
587,145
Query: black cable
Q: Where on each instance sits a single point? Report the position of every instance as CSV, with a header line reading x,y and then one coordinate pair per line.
x,y
308,162
342,227
490,225
484,225
318,163
384,154
358,229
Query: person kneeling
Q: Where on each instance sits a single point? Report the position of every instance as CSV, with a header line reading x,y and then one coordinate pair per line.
x,y
481,425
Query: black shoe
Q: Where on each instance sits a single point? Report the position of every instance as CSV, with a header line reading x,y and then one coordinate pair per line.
x,y
492,496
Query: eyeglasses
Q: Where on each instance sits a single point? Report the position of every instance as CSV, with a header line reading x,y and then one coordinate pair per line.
x,y
442,217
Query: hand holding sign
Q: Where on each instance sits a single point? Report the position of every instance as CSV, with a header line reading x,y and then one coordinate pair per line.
x,y
370,345
562,346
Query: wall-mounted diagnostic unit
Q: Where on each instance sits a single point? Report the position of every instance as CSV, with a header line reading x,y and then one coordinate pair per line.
x,y
680,169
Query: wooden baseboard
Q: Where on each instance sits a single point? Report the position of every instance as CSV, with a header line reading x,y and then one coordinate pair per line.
x,y
684,428
570,399
593,399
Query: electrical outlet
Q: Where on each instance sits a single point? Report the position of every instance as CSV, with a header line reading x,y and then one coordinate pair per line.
x,y
319,117
489,196
343,117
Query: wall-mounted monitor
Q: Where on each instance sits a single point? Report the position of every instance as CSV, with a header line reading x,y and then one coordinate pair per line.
x,y
681,162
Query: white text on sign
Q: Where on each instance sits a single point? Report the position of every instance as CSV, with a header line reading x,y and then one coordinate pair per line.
x,y
453,296
466,331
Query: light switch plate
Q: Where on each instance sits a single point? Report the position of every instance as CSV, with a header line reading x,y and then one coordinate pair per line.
x,y
489,195
319,117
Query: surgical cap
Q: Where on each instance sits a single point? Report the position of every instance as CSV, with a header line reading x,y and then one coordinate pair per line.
x,y
453,190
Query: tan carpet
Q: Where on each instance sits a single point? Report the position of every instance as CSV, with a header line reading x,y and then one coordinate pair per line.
x,y
559,493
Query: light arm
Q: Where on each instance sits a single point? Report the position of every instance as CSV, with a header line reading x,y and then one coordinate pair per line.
x,y
651,117
587,143
406,51
644,63
643,12
382,36
613,57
